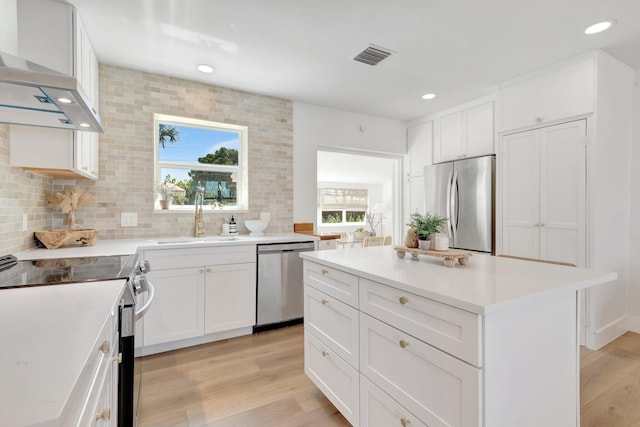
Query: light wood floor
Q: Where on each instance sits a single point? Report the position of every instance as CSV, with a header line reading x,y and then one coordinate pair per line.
x,y
258,381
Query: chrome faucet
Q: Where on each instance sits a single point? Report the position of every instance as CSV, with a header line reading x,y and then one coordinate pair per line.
x,y
198,227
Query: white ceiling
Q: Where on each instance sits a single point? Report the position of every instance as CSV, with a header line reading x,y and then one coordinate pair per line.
x,y
302,50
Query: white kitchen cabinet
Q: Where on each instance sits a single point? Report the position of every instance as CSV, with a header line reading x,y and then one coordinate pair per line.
x,y
552,96
465,133
426,362
402,365
51,33
229,297
544,188
177,311
378,409
202,295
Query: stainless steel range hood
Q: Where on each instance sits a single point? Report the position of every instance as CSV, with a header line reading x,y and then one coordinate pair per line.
x,y
31,94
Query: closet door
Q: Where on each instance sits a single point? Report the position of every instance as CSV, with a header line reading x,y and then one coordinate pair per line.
x,y
521,194
562,202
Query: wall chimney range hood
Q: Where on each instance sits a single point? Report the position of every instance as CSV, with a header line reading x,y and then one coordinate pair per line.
x,y
33,95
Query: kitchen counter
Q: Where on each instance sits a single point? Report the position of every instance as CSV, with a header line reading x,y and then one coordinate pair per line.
x,y
486,284
130,246
47,334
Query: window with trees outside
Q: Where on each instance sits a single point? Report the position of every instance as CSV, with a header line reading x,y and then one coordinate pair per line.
x,y
195,153
342,205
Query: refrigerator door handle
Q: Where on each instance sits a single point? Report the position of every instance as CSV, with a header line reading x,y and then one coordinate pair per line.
x,y
449,221
453,205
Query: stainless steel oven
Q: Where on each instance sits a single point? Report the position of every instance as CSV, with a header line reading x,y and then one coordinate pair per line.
x,y
79,270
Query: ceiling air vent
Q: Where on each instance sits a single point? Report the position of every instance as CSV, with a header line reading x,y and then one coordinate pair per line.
x,y
372,55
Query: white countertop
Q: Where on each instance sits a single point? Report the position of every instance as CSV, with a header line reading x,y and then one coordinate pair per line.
x,y
44,346
130,246
486,284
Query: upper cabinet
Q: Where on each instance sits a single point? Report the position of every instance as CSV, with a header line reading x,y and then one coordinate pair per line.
x,y
51,33
468,132
556,95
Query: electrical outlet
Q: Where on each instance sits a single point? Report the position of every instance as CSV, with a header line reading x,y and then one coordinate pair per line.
x,y
25,222
129,219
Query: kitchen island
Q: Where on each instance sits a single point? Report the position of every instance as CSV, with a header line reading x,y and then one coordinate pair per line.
x,y
411,342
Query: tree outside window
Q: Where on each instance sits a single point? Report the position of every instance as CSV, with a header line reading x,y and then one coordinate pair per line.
x,y
192,153
342,205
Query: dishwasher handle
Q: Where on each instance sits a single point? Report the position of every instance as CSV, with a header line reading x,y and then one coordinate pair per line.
x,y
286,247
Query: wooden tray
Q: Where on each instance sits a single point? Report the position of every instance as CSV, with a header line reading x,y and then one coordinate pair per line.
x,y
450,256
53,239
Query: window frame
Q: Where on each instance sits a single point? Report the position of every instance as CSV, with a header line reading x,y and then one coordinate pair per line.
x,y
346,208
241,170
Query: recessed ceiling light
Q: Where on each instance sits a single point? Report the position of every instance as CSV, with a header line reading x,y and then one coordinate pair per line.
x,y
599,27
64,100
85,125
428,96
204,68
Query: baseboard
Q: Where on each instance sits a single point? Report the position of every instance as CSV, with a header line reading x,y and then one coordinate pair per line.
x,y
603,336
633,324
174,345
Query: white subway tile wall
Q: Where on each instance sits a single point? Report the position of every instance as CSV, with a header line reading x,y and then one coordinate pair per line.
x,y
128,100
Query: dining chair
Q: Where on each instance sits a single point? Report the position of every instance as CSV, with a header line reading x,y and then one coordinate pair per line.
x,y
387,240
373,241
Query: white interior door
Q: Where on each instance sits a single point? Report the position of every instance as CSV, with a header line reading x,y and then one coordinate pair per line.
x,y
562,202
521,195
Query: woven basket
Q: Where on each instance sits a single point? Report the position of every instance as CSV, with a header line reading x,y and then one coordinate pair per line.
x,y
53,239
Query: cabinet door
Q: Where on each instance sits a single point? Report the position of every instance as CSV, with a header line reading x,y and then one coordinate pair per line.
x,y
556,95
416,194
447,141
230,297
435,386
420,147
562,188
521,195
377,409
177,311
478,130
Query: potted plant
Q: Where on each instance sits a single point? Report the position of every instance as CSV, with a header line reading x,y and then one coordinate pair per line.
x,y
166,195
360,233
426,226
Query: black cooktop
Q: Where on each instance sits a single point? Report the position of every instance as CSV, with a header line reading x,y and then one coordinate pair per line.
x,y
58,271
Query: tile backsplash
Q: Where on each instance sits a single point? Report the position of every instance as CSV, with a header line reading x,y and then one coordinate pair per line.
x,y
128,101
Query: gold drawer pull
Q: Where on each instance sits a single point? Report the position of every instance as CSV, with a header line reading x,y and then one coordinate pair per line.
x,y
324,272
405,421
324,301
404,343
104,415
325,353
403,300
105,347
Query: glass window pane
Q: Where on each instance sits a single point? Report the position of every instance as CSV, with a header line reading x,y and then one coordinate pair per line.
x,y
189,145
355,216
331,217
219,186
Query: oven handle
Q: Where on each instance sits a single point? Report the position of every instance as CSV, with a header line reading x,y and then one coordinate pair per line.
x,y
151,293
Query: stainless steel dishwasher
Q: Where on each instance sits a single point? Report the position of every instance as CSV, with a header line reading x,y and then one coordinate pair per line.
x,y
280,285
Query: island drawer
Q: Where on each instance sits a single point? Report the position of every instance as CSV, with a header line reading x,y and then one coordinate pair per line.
x,y
450,329
333,322
338,284
438,388
338,380
166,259
378,409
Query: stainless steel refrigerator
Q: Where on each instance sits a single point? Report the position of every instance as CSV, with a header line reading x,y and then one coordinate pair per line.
x,y
464,192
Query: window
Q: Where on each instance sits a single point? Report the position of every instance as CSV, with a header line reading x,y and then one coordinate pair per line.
x,y
192,153
342,205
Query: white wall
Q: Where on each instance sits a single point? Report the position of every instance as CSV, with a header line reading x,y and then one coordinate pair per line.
x,y
634,236
9,26
315,126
